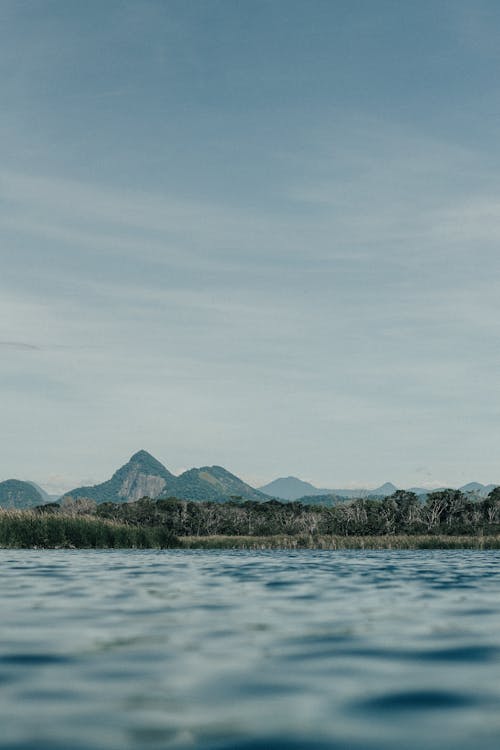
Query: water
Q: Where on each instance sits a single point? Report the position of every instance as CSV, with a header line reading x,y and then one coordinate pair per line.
x,y
219,650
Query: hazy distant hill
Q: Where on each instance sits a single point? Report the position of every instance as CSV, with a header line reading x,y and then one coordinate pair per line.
x,y
385,490
483,490
291,488
336,496
17,494
144,476
472,488
46,497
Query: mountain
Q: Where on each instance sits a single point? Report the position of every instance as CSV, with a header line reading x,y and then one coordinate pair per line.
x,y
17,494
144,476
290,488
336,497
476,488
472,488
489,487
141,476
45,495
385,490
214,483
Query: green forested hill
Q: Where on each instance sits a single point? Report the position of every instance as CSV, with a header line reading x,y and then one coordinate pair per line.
x,y
144,476
141,476
214,483
17,494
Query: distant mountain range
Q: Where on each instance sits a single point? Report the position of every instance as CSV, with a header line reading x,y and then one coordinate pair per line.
x,y
292,488
144,476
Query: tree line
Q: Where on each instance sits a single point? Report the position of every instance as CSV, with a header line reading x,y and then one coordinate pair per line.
x,y
449,512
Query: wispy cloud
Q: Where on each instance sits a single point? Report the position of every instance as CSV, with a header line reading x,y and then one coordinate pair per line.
x,y
290,233
19,346
160,225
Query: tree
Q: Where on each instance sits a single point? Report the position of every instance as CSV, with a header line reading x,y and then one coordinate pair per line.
x,y
444,506
491,506
408,508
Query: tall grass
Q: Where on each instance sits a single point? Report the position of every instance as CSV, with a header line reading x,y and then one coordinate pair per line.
x,y
24,528
30,529
396,542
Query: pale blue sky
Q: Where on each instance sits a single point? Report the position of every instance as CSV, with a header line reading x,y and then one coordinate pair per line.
x,y
258,234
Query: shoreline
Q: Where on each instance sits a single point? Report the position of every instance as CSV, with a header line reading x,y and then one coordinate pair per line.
x,y
284,543
30,530
388,542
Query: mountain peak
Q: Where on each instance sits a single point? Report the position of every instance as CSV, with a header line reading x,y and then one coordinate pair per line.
x,y
144,476
388,488
141,455
145,461
214,483
289,488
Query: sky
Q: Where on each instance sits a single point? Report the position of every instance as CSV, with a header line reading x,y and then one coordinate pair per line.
x,y
263,234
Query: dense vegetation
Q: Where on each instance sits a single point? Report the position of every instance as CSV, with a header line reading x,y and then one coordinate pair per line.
x,y
35,529
444,512
397,520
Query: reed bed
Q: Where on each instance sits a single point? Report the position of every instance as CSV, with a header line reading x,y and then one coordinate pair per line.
x,y
27,529
30,529
395,542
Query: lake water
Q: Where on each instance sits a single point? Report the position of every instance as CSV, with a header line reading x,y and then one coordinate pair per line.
x,y
142,650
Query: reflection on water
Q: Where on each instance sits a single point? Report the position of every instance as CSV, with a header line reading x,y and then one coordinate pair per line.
x,y
245,650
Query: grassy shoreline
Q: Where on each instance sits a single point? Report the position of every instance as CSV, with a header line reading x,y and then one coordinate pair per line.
x,y
28,530
389,542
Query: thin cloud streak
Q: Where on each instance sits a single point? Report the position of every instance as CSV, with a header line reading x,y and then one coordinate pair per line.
x,y
19,346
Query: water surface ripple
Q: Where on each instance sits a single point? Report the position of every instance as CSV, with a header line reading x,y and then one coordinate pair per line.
x,y
235,650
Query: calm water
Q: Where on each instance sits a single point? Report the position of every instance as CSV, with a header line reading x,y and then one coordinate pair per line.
x,y
218,650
